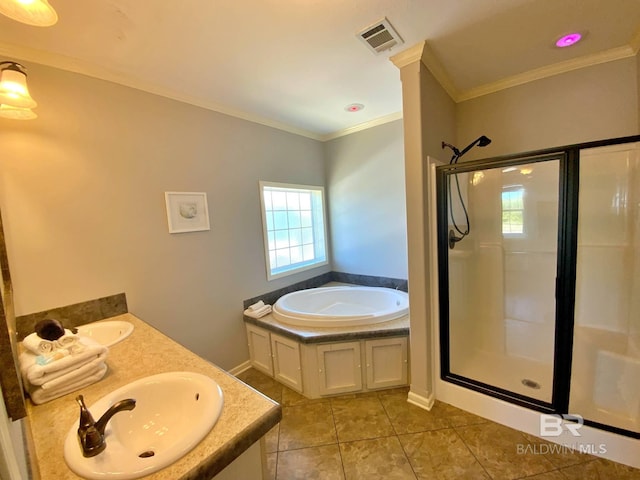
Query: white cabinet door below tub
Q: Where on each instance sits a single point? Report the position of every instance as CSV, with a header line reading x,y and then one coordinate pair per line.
x,y
287,368
339,368
386,362
259,349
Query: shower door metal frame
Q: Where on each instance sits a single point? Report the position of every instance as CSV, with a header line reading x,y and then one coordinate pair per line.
x,y
565,288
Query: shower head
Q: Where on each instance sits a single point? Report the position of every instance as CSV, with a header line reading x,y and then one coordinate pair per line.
x,y
482,141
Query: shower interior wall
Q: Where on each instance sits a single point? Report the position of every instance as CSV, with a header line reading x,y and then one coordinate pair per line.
x,y
502,318
605,382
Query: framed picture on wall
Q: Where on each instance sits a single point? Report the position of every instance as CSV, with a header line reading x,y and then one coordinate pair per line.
x,y
187,211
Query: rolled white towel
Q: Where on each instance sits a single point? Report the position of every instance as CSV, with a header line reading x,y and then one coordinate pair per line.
x,y
260,312
256,306
37,345
67,340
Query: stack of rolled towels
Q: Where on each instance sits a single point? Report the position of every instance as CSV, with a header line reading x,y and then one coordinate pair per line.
x,y
57,361
258,309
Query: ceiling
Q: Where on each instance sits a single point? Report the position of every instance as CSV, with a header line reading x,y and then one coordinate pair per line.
x,y
296,64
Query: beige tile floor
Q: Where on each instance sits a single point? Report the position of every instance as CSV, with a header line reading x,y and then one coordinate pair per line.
x,y
381,436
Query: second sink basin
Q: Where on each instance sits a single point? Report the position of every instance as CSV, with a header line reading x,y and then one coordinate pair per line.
x,y
174,412
107,332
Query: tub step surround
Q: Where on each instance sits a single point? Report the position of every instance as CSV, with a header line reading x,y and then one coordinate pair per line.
x,y
319,362
326,368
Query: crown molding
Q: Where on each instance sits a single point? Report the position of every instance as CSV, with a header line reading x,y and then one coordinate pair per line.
x,y
408,56
83,68
423,52
392,117
547,71
419,52
90,70
438,71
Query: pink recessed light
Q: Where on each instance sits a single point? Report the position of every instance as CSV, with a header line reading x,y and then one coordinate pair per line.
x,y
354,107
568,40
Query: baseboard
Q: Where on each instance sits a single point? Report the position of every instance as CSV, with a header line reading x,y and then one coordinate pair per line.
x,y
243,367
420,401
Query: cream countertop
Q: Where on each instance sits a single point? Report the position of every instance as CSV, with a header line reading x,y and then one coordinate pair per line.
x,y
246,416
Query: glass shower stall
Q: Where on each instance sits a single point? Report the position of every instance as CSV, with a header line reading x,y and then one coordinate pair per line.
x,y
540,302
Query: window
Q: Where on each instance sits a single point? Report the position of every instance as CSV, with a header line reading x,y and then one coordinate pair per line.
x,y
513,211
294,228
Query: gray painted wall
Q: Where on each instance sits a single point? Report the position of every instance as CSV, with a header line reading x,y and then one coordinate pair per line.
x,y
365,178
82,197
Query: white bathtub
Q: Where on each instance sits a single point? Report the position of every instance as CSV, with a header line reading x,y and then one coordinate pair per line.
x,y
341,306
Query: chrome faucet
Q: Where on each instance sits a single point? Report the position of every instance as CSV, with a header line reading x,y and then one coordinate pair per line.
x,y
90,432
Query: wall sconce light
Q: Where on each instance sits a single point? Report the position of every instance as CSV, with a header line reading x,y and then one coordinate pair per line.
x,y
13,86
37,13
17,113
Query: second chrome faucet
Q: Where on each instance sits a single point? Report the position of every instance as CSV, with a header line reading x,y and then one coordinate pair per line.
x,y
90,432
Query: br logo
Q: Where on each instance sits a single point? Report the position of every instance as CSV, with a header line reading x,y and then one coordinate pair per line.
x,y
554,425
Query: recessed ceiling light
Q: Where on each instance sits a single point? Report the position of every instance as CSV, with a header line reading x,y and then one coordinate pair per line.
x,y
568,40
354,107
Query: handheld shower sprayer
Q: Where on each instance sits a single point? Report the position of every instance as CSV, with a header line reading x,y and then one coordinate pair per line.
x,y
481,141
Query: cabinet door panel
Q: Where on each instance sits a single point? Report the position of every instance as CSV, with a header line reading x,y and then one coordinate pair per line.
x,y
386,362
259,349
286,361
339,368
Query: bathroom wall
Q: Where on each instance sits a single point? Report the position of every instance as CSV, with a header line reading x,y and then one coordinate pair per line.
x,y
365,178
583,105
82,196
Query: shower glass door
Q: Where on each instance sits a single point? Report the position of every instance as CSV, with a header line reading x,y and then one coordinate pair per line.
x,y
501,277
605,381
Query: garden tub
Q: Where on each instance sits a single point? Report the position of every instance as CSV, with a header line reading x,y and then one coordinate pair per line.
x,y
341,306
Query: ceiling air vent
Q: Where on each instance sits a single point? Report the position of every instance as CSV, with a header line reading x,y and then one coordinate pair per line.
x,y
380,36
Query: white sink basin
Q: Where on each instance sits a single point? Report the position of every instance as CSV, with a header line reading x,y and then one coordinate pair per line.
x,y
173,413
107,332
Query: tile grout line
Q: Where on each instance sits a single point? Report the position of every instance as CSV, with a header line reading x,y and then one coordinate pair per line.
x,y
455,429
333,417
397,435
275,473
